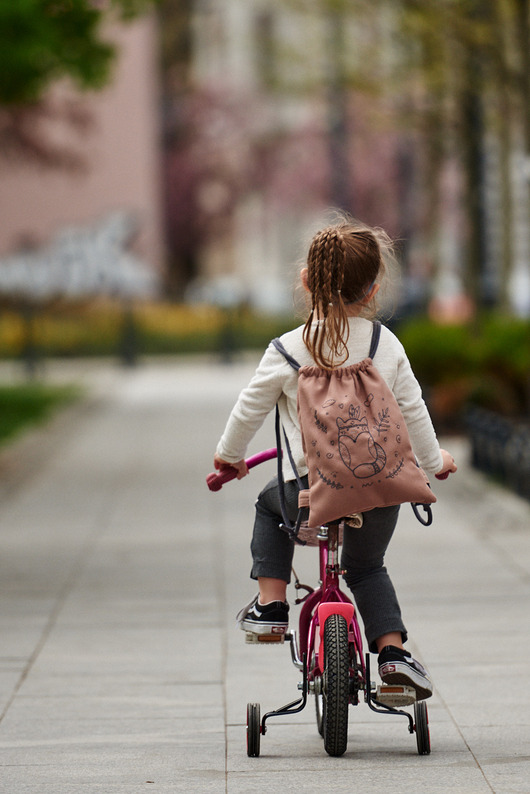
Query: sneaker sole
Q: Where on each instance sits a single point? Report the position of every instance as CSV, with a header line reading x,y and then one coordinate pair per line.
x,y
253,626
396,673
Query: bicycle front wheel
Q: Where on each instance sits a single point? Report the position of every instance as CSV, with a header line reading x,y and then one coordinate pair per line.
x,y
336,685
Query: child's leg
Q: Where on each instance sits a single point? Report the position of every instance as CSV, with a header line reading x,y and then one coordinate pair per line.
x,y
271,547
272,553
363,556
394,638
271,589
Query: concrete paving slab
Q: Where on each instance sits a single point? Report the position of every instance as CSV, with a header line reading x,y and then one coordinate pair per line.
x,y
366,780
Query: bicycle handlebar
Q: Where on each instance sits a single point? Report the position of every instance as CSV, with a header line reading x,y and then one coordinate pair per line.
x,y
217,479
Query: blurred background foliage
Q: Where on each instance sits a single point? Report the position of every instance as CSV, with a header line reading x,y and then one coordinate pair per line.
x,y
484,364
411,115
29,404
159,328
43,41
46,43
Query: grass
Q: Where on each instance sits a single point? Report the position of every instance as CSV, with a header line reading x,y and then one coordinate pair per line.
x,y
30,404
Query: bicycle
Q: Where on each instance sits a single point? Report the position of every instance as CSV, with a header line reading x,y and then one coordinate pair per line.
x,y
328,650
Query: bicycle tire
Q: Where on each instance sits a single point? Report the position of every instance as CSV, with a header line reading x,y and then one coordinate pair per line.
x,y
421,720
319,700
253,729
336,685
319,711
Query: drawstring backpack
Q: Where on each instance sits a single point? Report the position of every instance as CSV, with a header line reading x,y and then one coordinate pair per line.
x,y
355,442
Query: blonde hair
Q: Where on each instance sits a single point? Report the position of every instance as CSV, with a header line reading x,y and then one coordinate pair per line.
x,y
344,261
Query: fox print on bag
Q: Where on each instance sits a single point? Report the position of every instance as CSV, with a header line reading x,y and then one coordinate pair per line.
x,y
355,441
352,431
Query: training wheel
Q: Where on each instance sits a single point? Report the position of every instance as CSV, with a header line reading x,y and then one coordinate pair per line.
x,y
253,729
421,726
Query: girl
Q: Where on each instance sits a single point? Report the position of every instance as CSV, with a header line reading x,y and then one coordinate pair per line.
x,y
345,267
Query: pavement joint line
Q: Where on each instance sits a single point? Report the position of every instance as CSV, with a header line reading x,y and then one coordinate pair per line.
x,y
48,627
78,565
464,740
220,587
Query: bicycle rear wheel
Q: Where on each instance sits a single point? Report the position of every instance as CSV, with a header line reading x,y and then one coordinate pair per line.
x,y
335,685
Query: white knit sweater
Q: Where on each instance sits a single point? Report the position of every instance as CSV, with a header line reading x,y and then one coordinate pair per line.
x,y
275,381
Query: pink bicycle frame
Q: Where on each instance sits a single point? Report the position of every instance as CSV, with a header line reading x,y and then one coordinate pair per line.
x,y
328,599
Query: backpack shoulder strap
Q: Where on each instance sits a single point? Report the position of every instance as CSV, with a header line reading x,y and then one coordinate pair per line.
x,y
288,357
374,344
291,528
376,334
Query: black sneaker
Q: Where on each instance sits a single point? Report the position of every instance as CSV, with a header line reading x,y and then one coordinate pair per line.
x,y
272,618
397,666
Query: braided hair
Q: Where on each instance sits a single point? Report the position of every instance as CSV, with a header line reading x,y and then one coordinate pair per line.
x,y
343,263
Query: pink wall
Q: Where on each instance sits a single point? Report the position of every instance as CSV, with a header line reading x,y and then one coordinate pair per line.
x,y
122,156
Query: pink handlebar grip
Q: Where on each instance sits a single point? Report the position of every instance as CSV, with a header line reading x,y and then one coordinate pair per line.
x,y
443,476
217,479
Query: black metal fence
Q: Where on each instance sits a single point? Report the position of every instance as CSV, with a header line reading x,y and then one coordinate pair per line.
x,y
500,447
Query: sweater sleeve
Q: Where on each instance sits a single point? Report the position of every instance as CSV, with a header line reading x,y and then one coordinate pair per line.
x,y
408,394
253,405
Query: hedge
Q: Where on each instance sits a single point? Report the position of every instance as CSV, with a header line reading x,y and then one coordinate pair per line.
x,y
485,363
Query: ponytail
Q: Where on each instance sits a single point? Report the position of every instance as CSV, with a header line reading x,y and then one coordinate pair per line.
x,y
343,262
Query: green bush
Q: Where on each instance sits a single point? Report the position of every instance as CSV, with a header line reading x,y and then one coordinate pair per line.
x,y
438,354
484,363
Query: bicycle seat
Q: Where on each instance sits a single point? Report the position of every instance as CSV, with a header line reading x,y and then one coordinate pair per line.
x,y
310,535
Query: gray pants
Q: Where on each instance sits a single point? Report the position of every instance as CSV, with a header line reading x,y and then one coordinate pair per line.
x,y
363,555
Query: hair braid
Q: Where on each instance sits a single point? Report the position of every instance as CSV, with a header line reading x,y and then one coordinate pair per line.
x,y
326,262
343,263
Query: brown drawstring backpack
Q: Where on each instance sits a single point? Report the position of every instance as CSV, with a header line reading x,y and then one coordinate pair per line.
x,y
355,441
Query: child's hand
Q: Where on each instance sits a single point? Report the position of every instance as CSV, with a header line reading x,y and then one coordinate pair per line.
x,y
241,467
449,465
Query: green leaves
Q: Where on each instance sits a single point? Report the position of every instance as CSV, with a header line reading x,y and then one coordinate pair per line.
x,y
42,41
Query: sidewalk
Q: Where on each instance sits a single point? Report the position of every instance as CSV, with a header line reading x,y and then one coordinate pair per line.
x,y
120,575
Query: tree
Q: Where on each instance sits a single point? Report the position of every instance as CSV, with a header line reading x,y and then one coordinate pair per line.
x,y
456,73
41,43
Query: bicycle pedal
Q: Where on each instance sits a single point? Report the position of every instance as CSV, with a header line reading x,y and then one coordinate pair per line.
x,y
396,696
252,638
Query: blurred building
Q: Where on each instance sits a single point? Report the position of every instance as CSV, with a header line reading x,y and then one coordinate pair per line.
x,y
269,132
288,109
120,154
258,152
